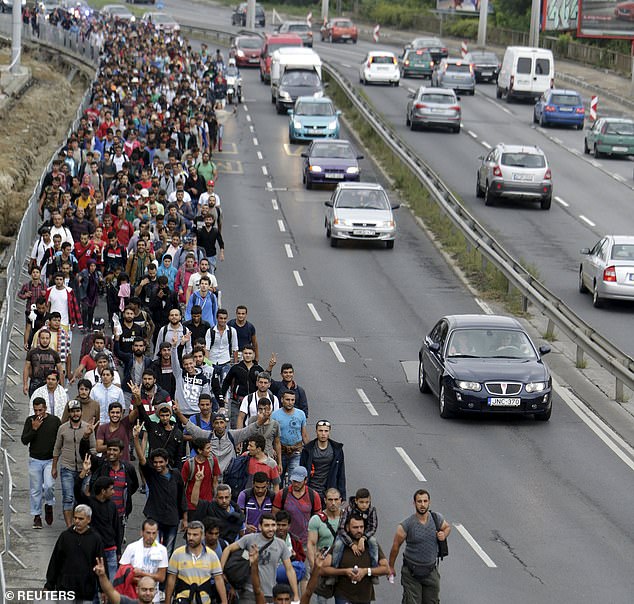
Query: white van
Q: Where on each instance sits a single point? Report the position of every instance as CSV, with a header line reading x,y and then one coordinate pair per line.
x,y
295,57
526,73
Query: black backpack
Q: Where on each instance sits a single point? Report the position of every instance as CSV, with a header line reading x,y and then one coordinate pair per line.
x,y
237,474
311,496
237,568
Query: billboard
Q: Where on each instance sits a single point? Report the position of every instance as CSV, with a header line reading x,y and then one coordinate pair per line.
x,y
559,15
464,7
606,19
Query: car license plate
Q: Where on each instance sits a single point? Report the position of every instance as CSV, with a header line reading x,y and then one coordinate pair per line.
x,y
254,60
619,149
334,175
344,36
504,402
487,74
566,109
523,177
363,232
313,130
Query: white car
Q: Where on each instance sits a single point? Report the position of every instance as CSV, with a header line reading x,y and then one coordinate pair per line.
x,y
162,21
380,66
118,12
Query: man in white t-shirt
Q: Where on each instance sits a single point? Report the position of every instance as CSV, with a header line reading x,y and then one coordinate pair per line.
x,y
249,405
147,555
193,285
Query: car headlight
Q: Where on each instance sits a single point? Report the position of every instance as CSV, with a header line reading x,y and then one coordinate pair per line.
x,y
285,95
352,170
332,125
342,222
536,387
464,385
315,168
240,53
386,224
297,125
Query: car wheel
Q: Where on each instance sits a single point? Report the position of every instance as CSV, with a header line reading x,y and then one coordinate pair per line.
x,y
309,183
535,120
586,149
273,99
544,417
597,301
328,232
389,244
279,108
423,386
546,201
407,120
509,97
456,129
445,413
582,286
479,191
542,121
488,197
354,40
498,92
412,125
597,153
580,126
334,242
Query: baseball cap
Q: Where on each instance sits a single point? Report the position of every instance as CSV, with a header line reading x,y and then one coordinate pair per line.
x,y
162,406
74,404
299,474
220,415
211,182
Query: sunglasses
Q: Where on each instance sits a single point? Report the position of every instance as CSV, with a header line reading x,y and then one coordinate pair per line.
x,y
323,422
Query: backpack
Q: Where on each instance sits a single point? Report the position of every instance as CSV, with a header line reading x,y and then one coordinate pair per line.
x,y
443,548
311,496
213,338
237,568
162,333
237,474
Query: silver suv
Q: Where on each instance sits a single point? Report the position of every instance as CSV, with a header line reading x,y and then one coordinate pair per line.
x,y
515,171
455,74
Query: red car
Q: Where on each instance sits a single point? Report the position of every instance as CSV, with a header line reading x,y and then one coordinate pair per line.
x,y
339,30
271,43
246,50
625,11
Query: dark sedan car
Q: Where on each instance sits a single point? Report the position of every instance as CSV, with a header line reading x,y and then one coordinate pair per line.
x,y
331,161
486,65
485,363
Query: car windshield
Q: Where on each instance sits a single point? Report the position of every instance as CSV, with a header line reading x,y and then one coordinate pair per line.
x,y
623,251
159,18
620,128
300,78
298,27
568,100
426,42
490,344
360,199
249,43
439,99
273,47
523,160
118,10
418,56
383,60
342,24
458,68
333,150
484,57
308,108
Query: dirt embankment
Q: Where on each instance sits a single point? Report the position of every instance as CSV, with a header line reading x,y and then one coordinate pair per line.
x,y
31,130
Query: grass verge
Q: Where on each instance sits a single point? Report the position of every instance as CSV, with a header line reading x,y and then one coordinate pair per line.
x,y
490,283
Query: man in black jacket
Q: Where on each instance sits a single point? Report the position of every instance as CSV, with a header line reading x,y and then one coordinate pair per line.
x,y
323,459
76,550
164,434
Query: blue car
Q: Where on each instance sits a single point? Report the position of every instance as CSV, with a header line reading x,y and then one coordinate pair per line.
x,y
330,162
563,107
313,118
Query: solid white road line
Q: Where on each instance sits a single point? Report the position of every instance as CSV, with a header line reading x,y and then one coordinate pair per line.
x,y
298,279
486,145
366,401
313,311
587,220
475,546
484,306
289,250
274,204
265,171
280,226
248,118
337,352
561,201
410,464
604,432
346,65
259,154
255,142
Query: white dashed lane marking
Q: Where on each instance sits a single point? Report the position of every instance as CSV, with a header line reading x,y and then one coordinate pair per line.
x,y
587,220
475,545
289,250
410,464
561,201
274,204
366,401
255,142
486,145
280,226
336,351
265,171
259,154
298,279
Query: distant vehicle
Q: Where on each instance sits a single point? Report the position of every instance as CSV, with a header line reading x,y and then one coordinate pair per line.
x,y
526,72
295,83
486,65
339,30
484,364
435,46
118,12
455,74
360,211
515,171
624,11
610,136
6,6
140,1
331,161
379,66
607,270
271,43
239,16
292,57
563,107
417,63
313,118
433,107
300,28
246,50
162,21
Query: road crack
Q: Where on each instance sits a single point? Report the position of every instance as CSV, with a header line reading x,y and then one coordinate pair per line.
x,y
515,555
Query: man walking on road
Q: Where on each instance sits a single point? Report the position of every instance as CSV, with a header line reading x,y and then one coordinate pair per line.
x,y
421,533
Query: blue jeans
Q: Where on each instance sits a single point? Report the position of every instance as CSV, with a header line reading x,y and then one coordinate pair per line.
x,y
67,478
110,561
372,546
213,263
41,483
289,463
322,600
167,536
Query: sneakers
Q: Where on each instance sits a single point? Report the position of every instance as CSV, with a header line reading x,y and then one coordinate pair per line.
x,y
48,514
37,522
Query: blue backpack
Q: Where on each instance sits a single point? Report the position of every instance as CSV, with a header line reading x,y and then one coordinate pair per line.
x,y
236,475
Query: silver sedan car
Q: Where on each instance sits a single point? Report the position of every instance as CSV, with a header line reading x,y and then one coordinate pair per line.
x,y
360,211
433,107
607,270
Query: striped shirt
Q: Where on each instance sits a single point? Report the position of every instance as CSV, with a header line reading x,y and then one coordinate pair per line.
x,y
194,570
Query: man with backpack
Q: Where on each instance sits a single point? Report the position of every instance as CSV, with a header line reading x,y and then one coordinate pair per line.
x,y
204,461
256,501
223,348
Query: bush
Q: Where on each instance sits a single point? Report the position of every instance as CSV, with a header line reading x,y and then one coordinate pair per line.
x,y
466,29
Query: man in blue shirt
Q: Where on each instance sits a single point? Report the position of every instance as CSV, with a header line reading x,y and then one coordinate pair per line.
x,y
293,433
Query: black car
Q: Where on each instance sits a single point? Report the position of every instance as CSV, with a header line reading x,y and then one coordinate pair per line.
x,y
486,65
485,363
295,83
239,16
434,46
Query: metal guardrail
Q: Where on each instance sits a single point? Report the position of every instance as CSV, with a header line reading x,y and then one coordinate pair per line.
x,y
69,44
586,339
